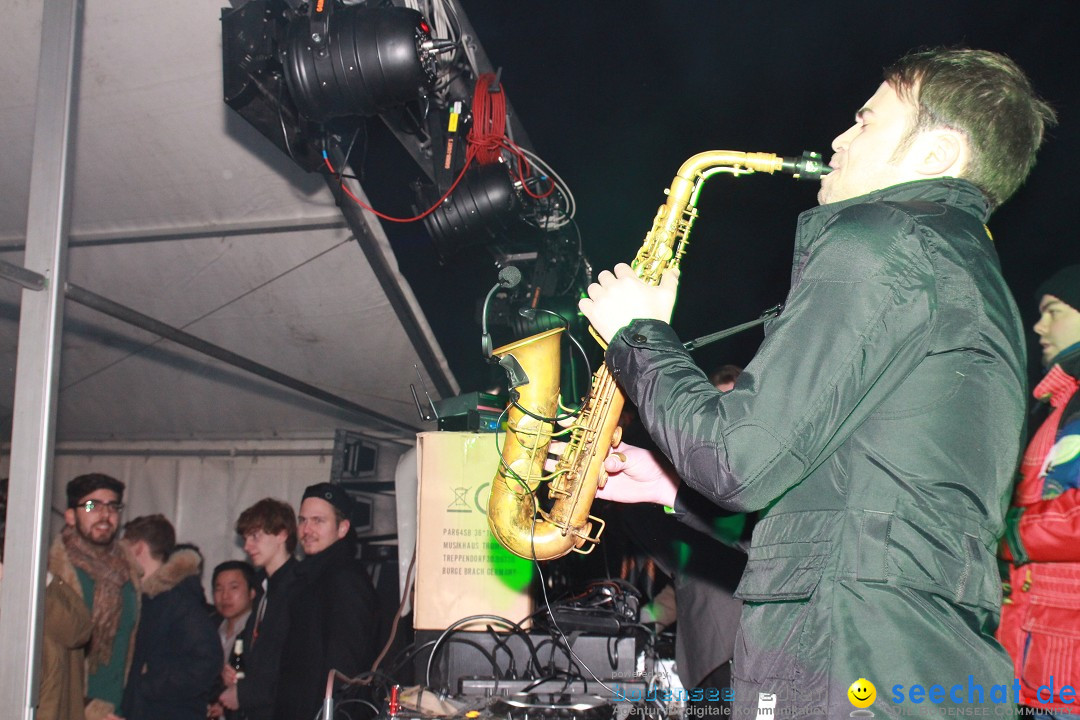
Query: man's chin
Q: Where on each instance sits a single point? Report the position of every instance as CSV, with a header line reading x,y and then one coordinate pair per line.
x,y
103,540
823,190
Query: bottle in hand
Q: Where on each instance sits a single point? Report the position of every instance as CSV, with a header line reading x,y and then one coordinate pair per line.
x,y
236,658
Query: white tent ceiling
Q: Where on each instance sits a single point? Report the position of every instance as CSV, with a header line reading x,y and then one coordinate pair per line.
x,y
183,212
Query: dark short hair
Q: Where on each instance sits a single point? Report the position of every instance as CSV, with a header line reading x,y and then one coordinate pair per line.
x,y
156,531
271,516
986,96
83,485
245,569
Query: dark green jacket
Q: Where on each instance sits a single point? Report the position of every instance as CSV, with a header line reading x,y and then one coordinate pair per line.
x,y
878,427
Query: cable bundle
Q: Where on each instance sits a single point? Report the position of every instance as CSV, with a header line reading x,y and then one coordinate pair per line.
x,y
487,140
487,136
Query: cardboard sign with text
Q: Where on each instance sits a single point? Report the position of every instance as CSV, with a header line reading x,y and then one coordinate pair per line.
x,y
461,569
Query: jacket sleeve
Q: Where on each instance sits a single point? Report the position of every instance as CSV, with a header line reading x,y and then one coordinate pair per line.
x,y
1048,531
67,619
698,513
192,663
258,689
353,635
856,323
67,627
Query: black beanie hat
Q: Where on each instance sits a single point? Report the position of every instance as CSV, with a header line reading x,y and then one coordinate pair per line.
x,y
333,494
1064,285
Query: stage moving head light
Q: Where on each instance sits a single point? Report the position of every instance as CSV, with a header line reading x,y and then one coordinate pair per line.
x,y
352,60
484,207
288,72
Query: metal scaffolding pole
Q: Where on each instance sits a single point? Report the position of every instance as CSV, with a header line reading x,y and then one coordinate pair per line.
x,y
137,319
37,364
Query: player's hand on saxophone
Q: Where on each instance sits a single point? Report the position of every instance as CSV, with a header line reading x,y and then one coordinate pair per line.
x,y
636,475
618,297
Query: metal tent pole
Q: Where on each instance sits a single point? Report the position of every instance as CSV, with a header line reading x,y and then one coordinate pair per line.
x,y
37,364
137,319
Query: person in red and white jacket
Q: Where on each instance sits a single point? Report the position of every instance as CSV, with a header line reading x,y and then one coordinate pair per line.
x,y
1040,619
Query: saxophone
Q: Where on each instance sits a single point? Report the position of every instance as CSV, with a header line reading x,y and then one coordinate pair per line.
x,y
515,515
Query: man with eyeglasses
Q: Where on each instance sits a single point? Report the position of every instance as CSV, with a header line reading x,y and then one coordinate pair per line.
x,y
87,556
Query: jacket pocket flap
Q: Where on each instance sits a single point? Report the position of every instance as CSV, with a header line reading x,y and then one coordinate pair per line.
x,y
775,579
921,555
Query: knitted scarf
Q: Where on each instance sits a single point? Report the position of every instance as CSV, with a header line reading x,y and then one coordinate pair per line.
x,y
1057,388
109,568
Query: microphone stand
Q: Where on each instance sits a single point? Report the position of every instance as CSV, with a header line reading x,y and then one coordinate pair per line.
x,y
720,335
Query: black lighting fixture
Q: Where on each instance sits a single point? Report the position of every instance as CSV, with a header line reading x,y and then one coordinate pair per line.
x,y
484,207
287,72
356,60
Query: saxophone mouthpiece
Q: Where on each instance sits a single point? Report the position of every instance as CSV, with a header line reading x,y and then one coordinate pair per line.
x,y
808,166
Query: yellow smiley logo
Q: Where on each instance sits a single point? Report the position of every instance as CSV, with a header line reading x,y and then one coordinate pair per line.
x,y
862,693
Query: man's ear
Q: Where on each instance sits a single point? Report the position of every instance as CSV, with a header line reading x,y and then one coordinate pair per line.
x,y
343,529
136,548
942,152
69,517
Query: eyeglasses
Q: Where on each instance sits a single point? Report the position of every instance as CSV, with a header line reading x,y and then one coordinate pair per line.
x,y
92,505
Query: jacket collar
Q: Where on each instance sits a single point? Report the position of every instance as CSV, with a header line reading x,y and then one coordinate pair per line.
x,y
340,553
953,192
282,574
181,565
1069,360
59,564
1060,382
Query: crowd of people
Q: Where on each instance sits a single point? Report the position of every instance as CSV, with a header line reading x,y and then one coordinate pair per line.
x,y
129,634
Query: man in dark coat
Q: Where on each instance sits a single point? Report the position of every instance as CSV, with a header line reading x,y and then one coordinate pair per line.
x,y
334,620
178,654
269,531
878,426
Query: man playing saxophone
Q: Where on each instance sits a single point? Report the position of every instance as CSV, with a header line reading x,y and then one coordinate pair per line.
x,y
878,426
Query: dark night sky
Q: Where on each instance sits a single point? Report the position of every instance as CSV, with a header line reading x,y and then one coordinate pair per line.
x,y
616,97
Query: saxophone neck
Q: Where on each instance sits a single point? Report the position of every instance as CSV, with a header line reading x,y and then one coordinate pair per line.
x,y
731,161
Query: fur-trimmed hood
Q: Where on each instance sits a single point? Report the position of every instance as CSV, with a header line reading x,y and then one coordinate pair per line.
x,y
181,565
